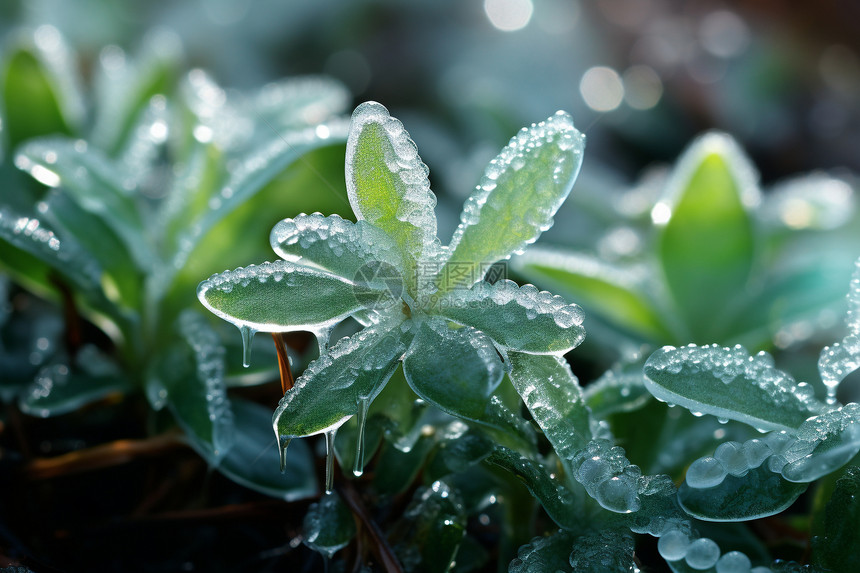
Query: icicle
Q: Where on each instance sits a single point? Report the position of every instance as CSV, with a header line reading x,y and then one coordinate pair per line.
x,y
247,336
329,460
283,443
358,468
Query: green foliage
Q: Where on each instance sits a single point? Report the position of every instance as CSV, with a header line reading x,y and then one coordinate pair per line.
x,y
440,389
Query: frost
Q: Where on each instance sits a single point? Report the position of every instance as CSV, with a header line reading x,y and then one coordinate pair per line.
x,y
729,383
842,358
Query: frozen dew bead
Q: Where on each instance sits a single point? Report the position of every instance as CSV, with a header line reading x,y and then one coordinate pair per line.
x,y
618,495
734,562
732,456
760,569
673,546
756,452
702,553
706,472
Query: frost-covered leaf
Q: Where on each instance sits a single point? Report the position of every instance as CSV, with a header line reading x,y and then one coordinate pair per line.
x,y
518,318
838,546
331,388
432,528
60,388
842,358
94,182
338,246
823,444
196,393
515,201
604,552
614,292
553,396
294,102
816,201
328,525
759,493
730,384
706,243
66,255
253,459
559,502
544,554
279,297
456,370
387,182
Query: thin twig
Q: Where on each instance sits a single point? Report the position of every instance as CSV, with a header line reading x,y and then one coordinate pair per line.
x,y
102,456
380,545
287,379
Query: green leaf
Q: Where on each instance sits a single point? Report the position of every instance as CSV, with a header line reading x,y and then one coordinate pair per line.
x,y
398,467
38,242
759,493
617,293
387,183
328,525
197,395
823,444
254,462
329,391
37,97
706,243
515,201
341,247
279,297
561,505
604,552
94,182
730,384
122,280
518,318
432,528
124,85
838,546
59,389
553,396
544,554
296,102
616,392
456,370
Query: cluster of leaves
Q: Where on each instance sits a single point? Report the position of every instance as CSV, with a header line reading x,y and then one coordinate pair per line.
x,y
129,200
448,405
465,343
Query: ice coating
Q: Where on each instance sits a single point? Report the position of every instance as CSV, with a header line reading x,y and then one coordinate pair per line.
x,y
278,297
731,384
601,552
842,358
332,243
543,159
518,318
209,357
373,132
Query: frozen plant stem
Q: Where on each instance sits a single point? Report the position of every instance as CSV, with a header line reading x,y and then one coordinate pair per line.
x,y
287,379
